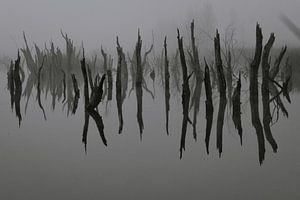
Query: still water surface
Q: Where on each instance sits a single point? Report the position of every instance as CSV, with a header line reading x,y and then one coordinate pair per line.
x,y
46,159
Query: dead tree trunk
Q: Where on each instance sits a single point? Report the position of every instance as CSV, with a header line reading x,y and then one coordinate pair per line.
x,y
64,86
39,89
105,70
185,93
267,118
119,86
272,87
222,90
167,85
229,73
11,84
138,84
86,102
91,103
254,66
77,94
18,88
195,101
109,80
209,106
236,108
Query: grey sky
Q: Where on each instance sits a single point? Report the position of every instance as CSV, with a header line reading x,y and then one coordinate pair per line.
x,y
98,22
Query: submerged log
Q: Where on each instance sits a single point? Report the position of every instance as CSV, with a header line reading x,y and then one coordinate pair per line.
x,y
185,93
222,91
209,106
167,85
236,109
267,118
254,66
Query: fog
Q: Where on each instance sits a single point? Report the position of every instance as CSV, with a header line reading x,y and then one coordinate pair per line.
x,y
97,23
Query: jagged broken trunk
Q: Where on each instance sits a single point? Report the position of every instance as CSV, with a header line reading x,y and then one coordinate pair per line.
x,y
267,118
222,91
185,94
254,66
91,103
18,88
138,85
167,85
236,109
209,106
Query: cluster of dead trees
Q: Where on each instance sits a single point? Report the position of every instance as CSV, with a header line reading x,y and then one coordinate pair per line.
x,y
56,72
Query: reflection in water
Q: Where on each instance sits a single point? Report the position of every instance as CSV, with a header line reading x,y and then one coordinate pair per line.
x,y
119,95
209,106
185,93
91,102
57,73
267,118
222,91
272,83
236,108
138,84
15,87
167,85
110,84
11,84
76,94
39,88
254,94
195,100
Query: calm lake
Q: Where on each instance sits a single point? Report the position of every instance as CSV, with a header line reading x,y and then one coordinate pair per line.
x,y
47,160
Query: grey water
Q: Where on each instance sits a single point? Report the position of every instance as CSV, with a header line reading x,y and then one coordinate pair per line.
x,y
46,159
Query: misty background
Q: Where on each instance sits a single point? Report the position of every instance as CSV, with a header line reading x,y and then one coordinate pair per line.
x,y
98,22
